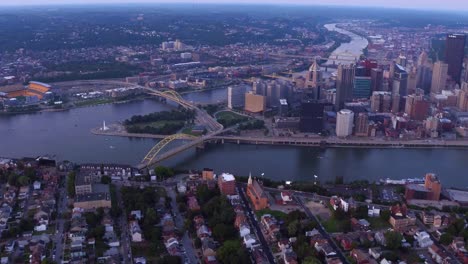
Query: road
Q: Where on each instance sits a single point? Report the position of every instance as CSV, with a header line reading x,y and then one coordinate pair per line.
x,y
59,237
189,256
322,230
258,231
125,246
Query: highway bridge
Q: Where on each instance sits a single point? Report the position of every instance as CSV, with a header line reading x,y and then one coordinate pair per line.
x,y
156,154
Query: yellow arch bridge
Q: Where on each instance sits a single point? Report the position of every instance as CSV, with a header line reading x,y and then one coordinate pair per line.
x,y
156,150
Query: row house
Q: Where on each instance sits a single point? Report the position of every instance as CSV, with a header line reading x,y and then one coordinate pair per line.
x,y
439,255
271,226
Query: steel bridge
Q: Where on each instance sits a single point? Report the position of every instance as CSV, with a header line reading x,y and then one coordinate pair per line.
x,y
156,155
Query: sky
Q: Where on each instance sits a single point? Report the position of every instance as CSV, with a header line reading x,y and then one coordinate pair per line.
x,y
418,4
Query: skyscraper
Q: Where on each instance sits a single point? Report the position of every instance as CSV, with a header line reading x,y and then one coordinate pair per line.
x,y
314,76
362,125
236,96
424,77
311,119
344,123
376,80
439,77
362,87
400,80
454,55
344,84
462,102
422,59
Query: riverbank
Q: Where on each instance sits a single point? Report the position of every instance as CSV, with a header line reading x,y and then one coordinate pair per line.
x,y
307,142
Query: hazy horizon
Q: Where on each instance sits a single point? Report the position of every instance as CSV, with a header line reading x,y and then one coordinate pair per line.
x,y
450,5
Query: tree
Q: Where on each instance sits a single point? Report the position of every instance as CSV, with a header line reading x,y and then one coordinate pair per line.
x,y
222,232
23,181
151,217
393,240
106,179
163,172
311,260
232,252
385,215
293,227
170,260
71,184
446,239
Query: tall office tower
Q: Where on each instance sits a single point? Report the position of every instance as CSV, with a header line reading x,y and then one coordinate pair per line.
x,y
412,79
236,96
381,102
376,79
311,119
462,102
439,77
416,107
425,77
344,85
361,129
362,87
369,65
400,80
360,71
314,76
454,55
259,87
422,58
254,103
376,102
401,60
396,101
273,94
344,123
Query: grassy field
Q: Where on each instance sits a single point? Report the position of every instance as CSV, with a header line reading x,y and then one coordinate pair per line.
x,y
378,223
333,225
228,118
277,214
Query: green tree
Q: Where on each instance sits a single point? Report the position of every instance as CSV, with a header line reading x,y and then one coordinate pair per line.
x,y
151,217
446,239
311,260
163,172
293,228
222,232
23,181
232,252
71,184
106,179
385,215
393,240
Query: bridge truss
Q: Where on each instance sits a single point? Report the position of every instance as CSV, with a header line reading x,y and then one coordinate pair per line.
x,y
153,153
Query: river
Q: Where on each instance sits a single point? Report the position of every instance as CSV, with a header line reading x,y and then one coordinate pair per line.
x,y
66,135
346,53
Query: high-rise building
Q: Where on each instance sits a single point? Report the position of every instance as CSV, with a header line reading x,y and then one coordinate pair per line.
x,y
400,80
416,107
439,77
381,102
361,128
362,87
424,78
376,79
422,59
401,60
344,123
412,80
396,101
344,84
454,55
462,102
255,103
236,96
311,119
314,76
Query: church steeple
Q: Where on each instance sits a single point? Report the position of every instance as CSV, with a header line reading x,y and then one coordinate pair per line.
x,y
249,182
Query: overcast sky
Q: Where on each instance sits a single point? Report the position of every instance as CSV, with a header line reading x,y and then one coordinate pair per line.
x,y
420,4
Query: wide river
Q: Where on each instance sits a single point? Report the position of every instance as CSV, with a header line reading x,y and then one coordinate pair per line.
x,y
66,135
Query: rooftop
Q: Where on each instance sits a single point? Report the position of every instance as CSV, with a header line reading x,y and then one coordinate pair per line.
x,y
227,177
457,195
92,197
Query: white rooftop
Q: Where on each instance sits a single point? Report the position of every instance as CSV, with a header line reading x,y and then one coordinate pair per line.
x,y
227,177
456,195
